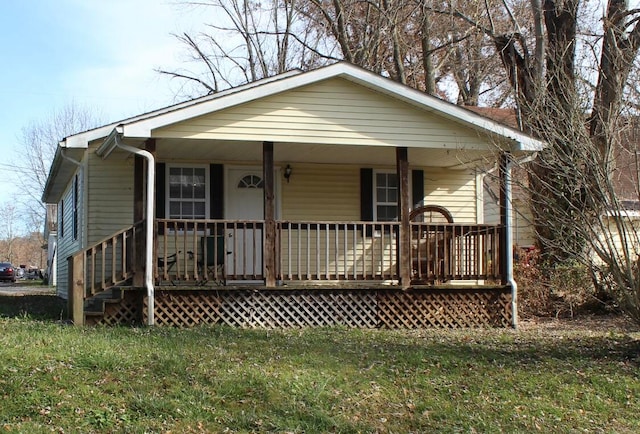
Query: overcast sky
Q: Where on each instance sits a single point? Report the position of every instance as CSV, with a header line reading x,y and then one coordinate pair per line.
x,y
96,53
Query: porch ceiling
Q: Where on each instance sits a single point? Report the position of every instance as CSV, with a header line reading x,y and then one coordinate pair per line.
x,y
242,151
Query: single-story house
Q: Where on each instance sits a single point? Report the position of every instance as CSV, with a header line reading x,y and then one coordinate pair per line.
x,y
333,196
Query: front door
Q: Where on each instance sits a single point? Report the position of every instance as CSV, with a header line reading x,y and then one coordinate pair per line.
x,y
245,202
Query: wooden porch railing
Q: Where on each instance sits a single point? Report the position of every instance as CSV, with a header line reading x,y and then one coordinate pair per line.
x,y
444,252
337,251
209,250
229,250
106,264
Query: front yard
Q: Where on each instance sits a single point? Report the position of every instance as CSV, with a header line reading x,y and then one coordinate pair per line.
x,y
549,376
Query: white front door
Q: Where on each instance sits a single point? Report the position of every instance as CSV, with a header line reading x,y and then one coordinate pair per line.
x,y
244,202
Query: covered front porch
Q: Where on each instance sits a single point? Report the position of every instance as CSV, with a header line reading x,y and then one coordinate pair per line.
x,y
422,270
330,180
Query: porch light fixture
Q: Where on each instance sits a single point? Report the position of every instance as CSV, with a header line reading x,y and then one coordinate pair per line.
x,y
287,173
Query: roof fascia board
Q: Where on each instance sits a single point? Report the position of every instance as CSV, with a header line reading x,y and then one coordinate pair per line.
x,y
57,178
82,140
53,173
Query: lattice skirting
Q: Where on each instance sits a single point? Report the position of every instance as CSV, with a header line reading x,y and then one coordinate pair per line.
x,y
313,308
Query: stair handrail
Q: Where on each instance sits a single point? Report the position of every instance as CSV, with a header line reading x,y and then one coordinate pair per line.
x,y
83,273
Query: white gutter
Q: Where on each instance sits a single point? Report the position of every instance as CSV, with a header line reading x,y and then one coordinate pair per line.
x,y
508,212
66,157
148,257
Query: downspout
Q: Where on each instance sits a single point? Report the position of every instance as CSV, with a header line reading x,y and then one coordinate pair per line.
x,y
509,229
148,257
509,240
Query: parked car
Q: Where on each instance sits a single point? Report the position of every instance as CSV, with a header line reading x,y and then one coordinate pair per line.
x,y
7,272
19,273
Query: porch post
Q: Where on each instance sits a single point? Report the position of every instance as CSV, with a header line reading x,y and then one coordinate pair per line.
x,y
269,253
139,181
138,215
76,287
404,205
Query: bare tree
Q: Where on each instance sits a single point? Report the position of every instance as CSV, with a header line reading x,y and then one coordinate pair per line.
x,y
248,40
9,230
404,40
578,211
38,142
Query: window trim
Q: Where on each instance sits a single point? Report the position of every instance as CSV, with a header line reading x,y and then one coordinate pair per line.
x,y
374,199
207,184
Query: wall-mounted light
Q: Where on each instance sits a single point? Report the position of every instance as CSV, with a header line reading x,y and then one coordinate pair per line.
x,y
287,173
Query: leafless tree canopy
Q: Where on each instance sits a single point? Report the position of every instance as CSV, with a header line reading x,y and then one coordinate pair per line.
x,y
569,68
24,214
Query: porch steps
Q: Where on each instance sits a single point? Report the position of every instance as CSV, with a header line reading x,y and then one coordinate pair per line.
x,y
95,307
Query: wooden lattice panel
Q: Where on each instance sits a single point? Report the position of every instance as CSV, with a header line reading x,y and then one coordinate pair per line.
x,y
291,309
318,308
444,308
184,308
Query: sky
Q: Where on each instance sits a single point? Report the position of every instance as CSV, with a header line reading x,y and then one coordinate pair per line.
x,y
94,53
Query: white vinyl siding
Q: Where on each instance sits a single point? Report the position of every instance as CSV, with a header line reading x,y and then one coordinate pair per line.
x,y
110,196
453,189
323,192
331,112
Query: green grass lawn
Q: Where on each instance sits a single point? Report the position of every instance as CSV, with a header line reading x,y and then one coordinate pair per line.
x,y
551,377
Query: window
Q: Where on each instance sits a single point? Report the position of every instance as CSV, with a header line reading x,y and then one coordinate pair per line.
x,y
251,181
385,196
187,187
61,219
75,207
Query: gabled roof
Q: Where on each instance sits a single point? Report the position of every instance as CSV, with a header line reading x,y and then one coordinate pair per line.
x,y
142,126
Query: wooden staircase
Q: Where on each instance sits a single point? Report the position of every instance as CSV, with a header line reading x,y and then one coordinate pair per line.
x,y
97,276
95,307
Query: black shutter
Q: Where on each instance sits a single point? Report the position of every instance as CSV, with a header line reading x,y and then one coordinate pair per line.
x,y
366,198
216,191
161,196
366,195
161,192
417,188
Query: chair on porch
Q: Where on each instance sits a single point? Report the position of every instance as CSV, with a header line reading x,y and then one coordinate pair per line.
x,y
212,261
165,264
431,248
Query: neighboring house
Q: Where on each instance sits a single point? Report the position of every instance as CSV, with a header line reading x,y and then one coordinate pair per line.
x,y
333,196
51,239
